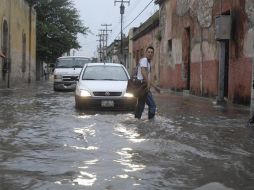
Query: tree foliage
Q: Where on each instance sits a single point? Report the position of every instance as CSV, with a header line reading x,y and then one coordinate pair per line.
x,y
58,24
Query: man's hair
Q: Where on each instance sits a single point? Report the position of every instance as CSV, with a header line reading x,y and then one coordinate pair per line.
x,y
150,47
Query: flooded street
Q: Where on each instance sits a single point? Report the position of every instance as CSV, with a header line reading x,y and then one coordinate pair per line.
x,y
45,143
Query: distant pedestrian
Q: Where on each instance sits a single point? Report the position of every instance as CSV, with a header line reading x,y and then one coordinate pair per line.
x,y
45,70
144,74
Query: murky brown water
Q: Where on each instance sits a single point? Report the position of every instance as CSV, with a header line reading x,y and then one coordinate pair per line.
x,y
46,144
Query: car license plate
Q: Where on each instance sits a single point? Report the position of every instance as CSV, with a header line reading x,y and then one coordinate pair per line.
x,y
107,103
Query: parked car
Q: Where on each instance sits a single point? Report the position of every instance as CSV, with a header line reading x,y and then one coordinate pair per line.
x,y
103,85
67,70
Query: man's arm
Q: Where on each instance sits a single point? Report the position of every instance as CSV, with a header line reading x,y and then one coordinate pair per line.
x,y
144,72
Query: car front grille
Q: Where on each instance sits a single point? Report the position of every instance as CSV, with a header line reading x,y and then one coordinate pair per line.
x,y
107,93
70,78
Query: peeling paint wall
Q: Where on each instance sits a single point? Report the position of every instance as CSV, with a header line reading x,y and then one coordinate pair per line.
x,y
139,47
249,45
199,17
202,10
147,34
16,14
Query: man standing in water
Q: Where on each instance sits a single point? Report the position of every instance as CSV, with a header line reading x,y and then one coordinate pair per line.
x,y
144,75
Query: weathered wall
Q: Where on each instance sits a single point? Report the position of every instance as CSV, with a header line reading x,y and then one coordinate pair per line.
x,y
16,13
139,47
131,56
177,16
249,45
147,35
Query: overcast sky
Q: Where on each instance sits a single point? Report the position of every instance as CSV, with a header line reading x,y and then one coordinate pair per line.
x,y
94,13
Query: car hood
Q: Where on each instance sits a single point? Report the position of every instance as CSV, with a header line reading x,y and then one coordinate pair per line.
x,y
67,71
111,86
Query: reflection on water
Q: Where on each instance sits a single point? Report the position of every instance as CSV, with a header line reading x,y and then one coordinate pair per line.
x,y
46,144
85,179
126,161
128,133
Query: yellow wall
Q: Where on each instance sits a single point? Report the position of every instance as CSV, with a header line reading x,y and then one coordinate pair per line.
x,y
16,13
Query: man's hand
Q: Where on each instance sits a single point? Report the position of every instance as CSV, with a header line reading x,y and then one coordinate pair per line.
x,y
156,88
148,86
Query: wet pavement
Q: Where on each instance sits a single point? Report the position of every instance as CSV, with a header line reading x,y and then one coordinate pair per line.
x,y
45,143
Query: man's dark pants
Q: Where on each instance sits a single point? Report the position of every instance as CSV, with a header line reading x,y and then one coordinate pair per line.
x,y
147,99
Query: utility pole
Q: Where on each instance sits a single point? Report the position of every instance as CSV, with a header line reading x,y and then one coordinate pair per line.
x,y
122,7
103,40
100,40
106,30
102,34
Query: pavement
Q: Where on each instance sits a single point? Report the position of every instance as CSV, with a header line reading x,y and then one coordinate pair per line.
x,y
158,93
213,186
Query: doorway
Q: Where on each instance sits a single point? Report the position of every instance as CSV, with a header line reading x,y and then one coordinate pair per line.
x,y
5,67
187,56
226,70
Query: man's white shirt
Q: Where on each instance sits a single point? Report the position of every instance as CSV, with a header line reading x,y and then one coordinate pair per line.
x,y
143,62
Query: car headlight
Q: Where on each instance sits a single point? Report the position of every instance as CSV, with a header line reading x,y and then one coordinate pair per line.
x,y
128,95
82,93
58,77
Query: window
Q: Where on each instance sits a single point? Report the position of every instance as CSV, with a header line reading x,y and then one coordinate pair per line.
x,y
71,62
105,72
170,47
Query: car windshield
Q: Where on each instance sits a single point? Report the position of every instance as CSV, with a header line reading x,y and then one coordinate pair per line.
x,y
73,62
104,72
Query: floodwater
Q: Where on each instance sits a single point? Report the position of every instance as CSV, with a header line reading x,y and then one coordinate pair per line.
x,y
45,143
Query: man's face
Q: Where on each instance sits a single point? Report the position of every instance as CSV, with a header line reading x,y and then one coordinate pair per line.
x,y
149,53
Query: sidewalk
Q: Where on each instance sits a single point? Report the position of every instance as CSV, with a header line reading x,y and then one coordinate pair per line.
x,y
171,104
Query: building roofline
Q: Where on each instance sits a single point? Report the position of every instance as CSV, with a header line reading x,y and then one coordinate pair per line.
x,y
158,1
147,26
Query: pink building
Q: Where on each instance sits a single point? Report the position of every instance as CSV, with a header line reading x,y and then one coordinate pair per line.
x,y
189,53
142,37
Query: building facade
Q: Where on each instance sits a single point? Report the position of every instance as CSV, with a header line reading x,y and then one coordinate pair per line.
x,y
113,52
18,42
192,59
143,36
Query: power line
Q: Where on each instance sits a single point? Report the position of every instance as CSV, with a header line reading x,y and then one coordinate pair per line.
x,y
107,30
136,17
133,8
122,8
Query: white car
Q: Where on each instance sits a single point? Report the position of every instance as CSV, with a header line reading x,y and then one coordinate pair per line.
x,y
103,86
67,70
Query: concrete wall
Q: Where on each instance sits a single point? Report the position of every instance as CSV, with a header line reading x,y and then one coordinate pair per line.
x,y
249,45
176,16
131,56
147,35
139,47
16,14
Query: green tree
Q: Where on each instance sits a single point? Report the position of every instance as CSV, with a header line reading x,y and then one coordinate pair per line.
x,y
58,24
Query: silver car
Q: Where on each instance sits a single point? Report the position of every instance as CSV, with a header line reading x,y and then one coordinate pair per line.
x,y
67,70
